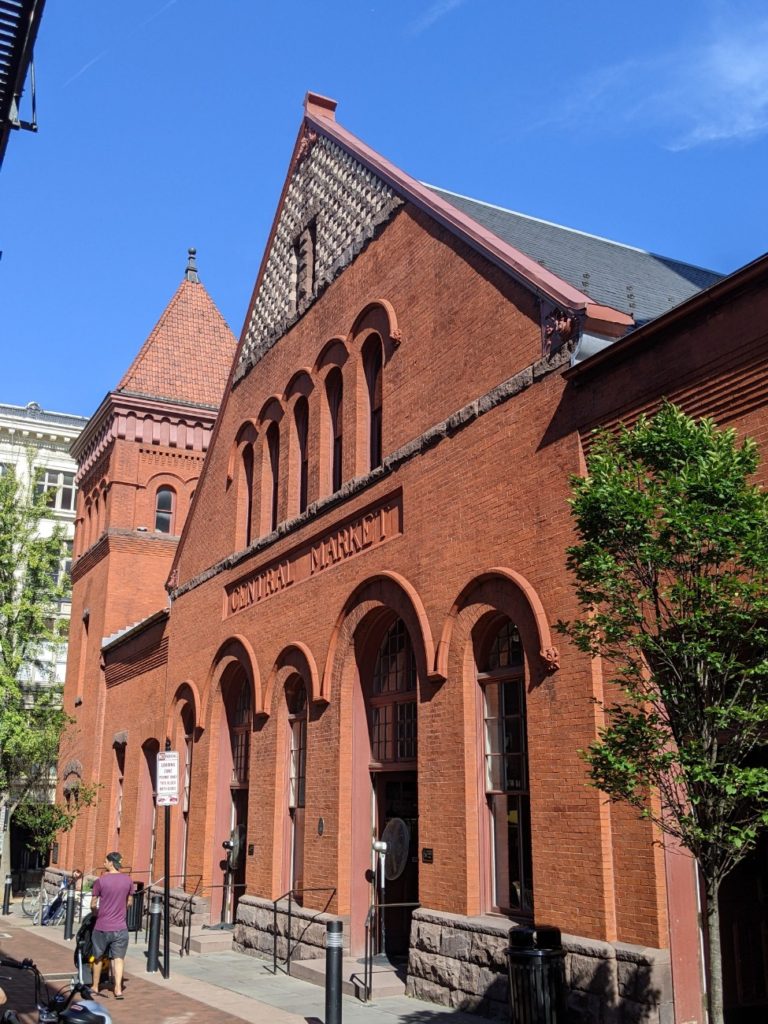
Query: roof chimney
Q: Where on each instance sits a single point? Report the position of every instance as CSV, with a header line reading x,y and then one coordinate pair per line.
x,y
191,272
316,105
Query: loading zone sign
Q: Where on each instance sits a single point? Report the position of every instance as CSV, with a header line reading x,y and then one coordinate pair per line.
x,y
167,778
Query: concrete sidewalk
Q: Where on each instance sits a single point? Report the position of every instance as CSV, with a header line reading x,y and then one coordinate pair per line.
x,y
217,988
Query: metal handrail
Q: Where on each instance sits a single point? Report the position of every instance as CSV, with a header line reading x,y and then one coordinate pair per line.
x,y
289,895
373,912
147,893
186,924
186,919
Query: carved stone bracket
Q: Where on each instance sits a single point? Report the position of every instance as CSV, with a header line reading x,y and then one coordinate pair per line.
x,y
551,658
308,139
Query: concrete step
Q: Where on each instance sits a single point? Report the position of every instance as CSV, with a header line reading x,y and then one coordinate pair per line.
x,y
388,979
203,940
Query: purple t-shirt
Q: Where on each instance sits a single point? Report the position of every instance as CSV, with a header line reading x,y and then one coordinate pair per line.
x,y
113,891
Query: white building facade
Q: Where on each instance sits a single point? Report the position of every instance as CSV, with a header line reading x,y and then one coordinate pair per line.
x,y
32,439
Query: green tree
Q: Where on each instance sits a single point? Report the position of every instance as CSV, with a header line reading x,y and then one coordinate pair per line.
x,y
32,585
671,572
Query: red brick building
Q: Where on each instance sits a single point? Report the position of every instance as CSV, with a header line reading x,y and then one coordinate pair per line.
x,y
359,641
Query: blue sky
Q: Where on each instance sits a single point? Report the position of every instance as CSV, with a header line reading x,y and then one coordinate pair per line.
x,y
169,123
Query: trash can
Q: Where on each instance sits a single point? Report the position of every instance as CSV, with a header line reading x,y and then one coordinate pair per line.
x,y
536,963
136,909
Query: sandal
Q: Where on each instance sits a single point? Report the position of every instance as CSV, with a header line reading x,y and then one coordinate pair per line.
x,y
119,996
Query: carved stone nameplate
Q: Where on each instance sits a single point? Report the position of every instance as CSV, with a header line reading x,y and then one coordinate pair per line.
x,y
362,532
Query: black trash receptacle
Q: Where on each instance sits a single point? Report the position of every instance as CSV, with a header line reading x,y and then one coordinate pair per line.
x,y
136,909
536,963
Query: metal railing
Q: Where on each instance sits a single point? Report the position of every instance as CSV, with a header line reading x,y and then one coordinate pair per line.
x,y
374,920
188,911
289,895
146,896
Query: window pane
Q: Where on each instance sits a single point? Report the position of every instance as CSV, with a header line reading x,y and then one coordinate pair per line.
x,y
406,731
164,499
511,849
494,779
395,669
67,500
506,650
163,522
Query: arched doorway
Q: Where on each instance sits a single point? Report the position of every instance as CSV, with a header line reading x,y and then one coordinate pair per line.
x,y
146,831
232,791
390,693
296,700
184,742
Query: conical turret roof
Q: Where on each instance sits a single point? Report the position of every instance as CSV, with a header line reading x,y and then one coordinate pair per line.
x,y
188,355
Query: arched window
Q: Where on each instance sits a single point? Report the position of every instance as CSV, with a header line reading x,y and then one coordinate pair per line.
x,y
247,496
301,419
393,698
117,792
164,509
240,734
273,453
501,675
372,363
334,390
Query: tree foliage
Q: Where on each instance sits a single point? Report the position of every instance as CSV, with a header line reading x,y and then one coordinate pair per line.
x,y
32,585
671,571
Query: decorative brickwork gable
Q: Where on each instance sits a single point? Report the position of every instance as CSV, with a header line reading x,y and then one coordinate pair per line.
x,y
347,203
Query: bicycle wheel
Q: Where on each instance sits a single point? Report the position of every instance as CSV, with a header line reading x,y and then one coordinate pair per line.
x,y
30,902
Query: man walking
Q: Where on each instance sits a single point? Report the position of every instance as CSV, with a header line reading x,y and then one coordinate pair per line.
x,y
112,895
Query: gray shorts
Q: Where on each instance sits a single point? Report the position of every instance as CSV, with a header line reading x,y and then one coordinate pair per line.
x,y
111,944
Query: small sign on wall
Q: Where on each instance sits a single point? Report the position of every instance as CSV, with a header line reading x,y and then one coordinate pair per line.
x,y
167,778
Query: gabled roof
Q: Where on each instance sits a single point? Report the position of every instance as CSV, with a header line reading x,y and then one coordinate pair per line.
x,y
346,191
188,355
637,282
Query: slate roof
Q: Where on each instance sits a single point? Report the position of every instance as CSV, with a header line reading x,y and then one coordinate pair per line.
x,y
188,355
634,281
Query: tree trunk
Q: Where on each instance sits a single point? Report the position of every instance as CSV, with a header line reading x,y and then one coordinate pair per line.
x,y
715,988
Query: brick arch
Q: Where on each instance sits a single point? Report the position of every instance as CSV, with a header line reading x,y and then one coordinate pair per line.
x,y
333,353
377,316
511,593
271,411
247,433
387,591
294,659
301,383
234,651
186,692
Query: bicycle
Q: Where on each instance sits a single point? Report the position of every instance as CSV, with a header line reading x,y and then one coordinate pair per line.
x,y
34,903
42,908
58,1008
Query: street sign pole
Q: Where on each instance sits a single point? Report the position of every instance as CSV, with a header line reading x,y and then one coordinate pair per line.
x,y
167,796
167,902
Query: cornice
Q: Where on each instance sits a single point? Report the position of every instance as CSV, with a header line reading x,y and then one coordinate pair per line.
x,y
146,420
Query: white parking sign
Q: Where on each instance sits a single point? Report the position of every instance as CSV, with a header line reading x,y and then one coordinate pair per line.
x,y
167,778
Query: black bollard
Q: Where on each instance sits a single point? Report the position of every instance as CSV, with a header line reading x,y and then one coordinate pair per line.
x,y
334,955
153,947
7,894
69,915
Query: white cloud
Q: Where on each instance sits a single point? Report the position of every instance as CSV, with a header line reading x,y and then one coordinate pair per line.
x,y
433,14
711,90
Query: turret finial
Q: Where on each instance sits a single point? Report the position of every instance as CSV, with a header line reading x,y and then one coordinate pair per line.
x,y
191,271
